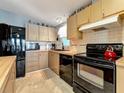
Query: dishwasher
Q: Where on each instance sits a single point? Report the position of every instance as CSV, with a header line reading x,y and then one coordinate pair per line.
x,y
66,68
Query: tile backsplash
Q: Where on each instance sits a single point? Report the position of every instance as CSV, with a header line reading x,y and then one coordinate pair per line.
x,y
106,36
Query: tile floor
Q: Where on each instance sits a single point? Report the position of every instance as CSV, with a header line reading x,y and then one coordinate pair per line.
x,y
43,81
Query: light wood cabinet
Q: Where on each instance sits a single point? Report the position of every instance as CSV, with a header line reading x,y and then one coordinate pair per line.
x,y
10,85
83,16
40,33
72,30
111,7
36,60
96,11
43,59
43,33
32,62
32,32
120,79
52,34
53,62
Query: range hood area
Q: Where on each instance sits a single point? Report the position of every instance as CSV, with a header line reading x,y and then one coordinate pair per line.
x,y
107,23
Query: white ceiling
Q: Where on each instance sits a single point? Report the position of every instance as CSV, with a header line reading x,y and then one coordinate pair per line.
x,y
46,11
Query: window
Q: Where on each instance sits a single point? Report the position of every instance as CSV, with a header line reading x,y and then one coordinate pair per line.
x,y
62,33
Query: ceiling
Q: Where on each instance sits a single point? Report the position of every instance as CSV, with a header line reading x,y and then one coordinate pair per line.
x,y
47,11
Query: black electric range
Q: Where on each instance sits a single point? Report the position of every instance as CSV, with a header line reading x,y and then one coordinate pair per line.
x,y
93,73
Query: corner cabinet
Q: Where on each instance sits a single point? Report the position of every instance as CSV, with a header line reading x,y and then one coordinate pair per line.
x,y
43,59
72,30
96,11
111,7
53,62
32,32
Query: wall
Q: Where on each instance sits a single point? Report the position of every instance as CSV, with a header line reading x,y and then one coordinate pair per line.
x,y
15,19
12,19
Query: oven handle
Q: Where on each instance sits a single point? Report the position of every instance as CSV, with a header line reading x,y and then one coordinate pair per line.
x,y
77,60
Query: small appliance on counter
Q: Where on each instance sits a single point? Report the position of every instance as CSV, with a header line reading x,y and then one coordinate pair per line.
x,y
53,46
95,70
32,46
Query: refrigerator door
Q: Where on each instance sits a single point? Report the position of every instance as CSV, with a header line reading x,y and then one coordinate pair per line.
x,y
18,49
5,47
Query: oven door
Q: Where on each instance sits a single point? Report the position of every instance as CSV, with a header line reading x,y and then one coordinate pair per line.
x,y
93,76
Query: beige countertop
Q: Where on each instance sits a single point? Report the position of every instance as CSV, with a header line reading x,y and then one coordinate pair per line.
x,y
71,53
5,67
68,52
37,51
120,62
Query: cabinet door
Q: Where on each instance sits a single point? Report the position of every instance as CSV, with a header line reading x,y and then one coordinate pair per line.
x,y
53,62
120,79
96,11
69,28
32,34
83,16
10,84
43,59
52,34
72,30
111,7
32,61
50,59
43,33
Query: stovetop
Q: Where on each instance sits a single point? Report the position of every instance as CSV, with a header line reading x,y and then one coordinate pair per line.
x,y
94,56
96,51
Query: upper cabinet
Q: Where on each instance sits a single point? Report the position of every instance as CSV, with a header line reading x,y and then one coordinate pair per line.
x,y
111,7
40,33
32,32
52,34
96,11
83,16
43,33
72,31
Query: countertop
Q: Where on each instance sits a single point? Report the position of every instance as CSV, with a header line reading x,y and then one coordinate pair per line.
x,y
70,53
5,67
120,62
37,51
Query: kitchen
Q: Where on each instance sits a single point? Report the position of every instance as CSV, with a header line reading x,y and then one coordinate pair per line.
x,y
79,50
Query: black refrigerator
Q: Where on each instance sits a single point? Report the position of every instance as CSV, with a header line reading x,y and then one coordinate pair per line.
x,y
12,42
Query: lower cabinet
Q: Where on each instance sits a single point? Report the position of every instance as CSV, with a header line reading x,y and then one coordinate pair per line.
x,y
36,60
43,60
120,79
10,84
53,62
